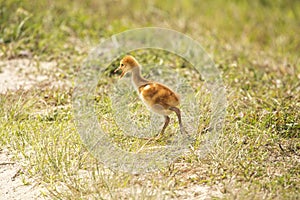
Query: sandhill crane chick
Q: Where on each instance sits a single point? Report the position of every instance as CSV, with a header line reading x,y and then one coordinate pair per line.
x,y
156,96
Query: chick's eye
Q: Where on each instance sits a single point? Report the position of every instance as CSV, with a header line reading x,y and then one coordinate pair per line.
x,y
122,65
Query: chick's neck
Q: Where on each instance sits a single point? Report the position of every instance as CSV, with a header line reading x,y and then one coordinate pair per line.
x,y
136,77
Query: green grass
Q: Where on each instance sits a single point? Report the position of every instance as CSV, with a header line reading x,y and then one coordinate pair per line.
x,y
256,47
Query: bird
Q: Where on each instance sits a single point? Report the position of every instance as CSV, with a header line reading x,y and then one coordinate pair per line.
x,y
157,97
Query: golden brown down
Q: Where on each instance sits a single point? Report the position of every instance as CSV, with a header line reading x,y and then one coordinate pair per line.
x,y
155,93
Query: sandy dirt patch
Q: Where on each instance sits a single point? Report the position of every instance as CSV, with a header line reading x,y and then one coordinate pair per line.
x,y
25,74
11,181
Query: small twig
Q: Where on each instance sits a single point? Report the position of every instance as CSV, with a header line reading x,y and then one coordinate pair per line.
x,y
281,147
16,174
7,163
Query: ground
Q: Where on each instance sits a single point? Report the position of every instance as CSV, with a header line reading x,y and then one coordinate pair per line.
x,y
12,183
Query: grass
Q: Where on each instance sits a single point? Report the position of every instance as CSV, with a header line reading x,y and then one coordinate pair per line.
x,y
256,47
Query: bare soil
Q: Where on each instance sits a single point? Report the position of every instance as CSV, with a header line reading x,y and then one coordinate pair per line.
x,y
19,74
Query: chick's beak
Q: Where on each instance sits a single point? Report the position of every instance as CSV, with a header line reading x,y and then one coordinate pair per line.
x,y
122,74
119,68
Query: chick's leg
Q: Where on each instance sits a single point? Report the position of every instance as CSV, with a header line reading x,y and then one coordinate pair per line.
x,y
167,121
177,111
